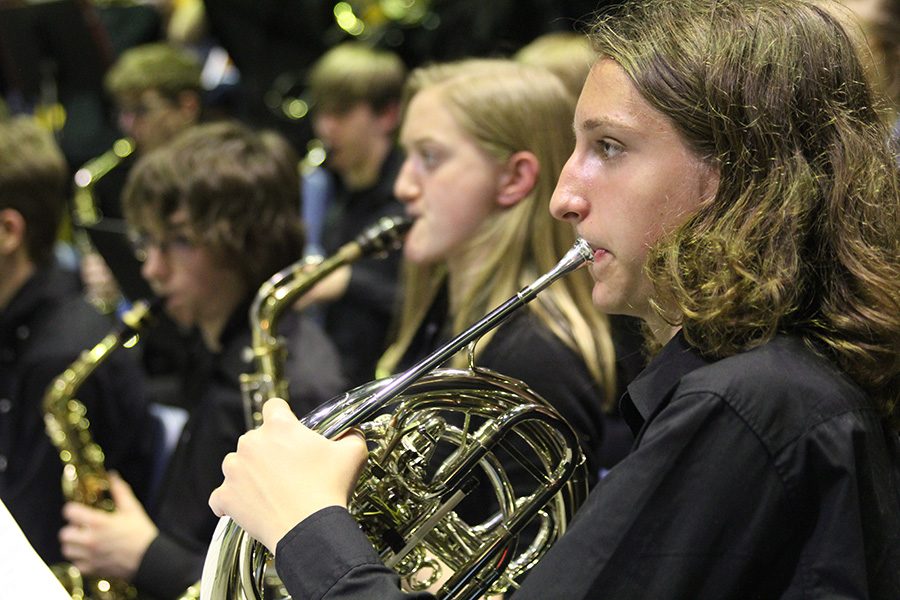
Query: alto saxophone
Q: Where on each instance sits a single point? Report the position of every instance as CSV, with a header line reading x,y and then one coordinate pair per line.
x,y
405,503
268,351
280,292
84,478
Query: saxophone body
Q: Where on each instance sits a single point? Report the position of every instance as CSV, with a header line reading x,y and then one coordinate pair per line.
x,y
430,431
85,478
280,292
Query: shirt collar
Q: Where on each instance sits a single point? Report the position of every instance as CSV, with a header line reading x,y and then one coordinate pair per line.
x,y
653,386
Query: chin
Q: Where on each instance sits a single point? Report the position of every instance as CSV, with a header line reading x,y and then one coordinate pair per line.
x,y
416,253
606,302
181,317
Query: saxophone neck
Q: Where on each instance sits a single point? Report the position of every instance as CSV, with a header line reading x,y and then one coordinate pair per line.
x,y
289,284
282,290
85,212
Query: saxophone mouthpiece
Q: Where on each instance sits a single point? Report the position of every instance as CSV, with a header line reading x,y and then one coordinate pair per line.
x,y
384,235
140,314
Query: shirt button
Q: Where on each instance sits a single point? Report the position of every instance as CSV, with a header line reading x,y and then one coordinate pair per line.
x,y
22,332
2,463
5,405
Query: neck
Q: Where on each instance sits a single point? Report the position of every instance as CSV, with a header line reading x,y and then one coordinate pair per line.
x,y
212,324
460,274
366,175
661,330
17,270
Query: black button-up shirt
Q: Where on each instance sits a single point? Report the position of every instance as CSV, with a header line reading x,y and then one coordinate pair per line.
x,y
174,560
763,475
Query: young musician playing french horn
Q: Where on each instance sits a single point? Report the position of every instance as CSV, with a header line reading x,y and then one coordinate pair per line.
x,y
732,176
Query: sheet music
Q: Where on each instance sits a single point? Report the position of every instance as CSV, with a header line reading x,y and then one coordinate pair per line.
x,y
22,572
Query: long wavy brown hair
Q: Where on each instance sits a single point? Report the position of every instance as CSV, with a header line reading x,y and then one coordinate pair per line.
x,y
802,236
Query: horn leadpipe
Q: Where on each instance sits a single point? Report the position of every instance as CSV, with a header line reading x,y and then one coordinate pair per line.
x,y
578,255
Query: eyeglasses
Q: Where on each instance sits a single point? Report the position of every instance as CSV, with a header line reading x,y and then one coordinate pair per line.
x,y
172,243
141,109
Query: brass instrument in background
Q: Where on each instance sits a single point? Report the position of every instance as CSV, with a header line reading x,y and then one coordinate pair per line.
x,y
85,212
375,22
84,206
85,479
369,19
405,503
280,292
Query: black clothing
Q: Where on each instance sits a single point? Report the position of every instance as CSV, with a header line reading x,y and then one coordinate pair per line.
x,y
63,47
524,348
43,329
628,342
181,511
358,322
764,475
272,44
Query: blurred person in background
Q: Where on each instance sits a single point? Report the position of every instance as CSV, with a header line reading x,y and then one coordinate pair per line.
x,y
355,92
45,324
214,214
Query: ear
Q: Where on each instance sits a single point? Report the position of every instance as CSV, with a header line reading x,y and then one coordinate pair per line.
x,y
709,182
189,104
389,118
517,178
12,231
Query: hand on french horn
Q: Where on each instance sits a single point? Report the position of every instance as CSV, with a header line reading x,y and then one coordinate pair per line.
x,y
283,472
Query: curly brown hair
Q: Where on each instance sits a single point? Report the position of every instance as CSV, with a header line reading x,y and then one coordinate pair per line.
x,y
240,189
802,236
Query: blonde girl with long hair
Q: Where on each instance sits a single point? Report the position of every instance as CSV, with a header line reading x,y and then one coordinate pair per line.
x,y
485,141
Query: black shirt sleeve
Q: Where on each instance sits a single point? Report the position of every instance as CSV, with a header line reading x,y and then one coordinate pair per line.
x,y
352,568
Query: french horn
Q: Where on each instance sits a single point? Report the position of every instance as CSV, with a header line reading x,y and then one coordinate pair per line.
x,y
407,495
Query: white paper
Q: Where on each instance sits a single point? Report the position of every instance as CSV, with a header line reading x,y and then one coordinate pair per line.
x,y
22,572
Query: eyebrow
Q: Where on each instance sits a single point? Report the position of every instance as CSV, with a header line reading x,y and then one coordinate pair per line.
x,y
593,123
417,141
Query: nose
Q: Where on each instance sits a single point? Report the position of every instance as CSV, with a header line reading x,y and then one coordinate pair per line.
x,y
406,187
126,122
323,126
568,202
155,267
